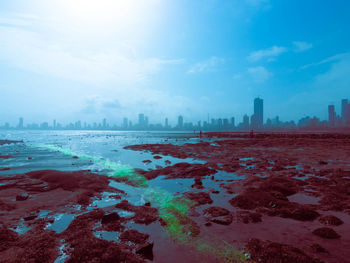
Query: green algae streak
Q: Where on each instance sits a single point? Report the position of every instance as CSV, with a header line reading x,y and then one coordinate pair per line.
x,y
172,210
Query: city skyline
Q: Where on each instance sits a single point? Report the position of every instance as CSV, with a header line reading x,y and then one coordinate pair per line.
x,y
255,121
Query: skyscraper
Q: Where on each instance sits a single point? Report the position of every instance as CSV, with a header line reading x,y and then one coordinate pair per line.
x,y
125,123
166,123
246,122
258,117
331,115
20,123
233,121
180,122
344,110
141,119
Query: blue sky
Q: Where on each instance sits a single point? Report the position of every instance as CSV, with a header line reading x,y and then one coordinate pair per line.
x,y
71,60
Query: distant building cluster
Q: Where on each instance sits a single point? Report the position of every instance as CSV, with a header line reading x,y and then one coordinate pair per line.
x,y
253,123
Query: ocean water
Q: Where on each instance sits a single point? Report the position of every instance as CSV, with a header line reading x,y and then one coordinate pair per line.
x,y
106,145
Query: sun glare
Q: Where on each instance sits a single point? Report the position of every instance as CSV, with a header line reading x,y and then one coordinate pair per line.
x,y
99,10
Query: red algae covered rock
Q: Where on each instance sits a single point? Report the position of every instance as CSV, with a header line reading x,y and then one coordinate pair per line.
x,y
216,211
60,192
146,251
143,214
6,207
85,247
6,156
134,236
219,215
248,217
71,180
200,198
326,232
110,218
7,237
318,248
22,197
269,195
273,252
179,170
331,220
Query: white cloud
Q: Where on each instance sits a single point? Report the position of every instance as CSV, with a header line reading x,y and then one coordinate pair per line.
x,y
209,65
259,74
327,60
300,46
269,53
27,44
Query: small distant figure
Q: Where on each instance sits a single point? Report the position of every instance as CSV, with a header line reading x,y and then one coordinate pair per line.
x,y
251,133
200,134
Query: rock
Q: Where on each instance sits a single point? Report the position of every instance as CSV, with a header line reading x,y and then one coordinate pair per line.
x,y
30,216
157,157
134,236
331,220
75,157
222,220
201,198
326,232
318,248
219,215
22,197
106,219
146,251
267,251
216,211
249,217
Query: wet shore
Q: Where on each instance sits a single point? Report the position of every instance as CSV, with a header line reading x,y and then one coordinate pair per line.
x,y
274,197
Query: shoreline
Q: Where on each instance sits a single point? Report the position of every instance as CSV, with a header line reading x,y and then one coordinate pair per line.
x,y
264,193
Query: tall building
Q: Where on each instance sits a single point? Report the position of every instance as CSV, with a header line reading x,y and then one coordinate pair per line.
x,y
166,123
141,119
146,121
344,110
258,117
180,122
54,124
20,123
331,115
125,123
233,121
245,123
104,125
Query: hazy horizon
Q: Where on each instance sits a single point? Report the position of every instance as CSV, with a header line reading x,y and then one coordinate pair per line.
x,y
89,60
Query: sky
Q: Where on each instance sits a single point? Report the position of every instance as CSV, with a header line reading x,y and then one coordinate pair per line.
x,y
87,60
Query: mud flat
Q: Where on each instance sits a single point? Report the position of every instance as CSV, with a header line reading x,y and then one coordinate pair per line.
x,y
278,197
